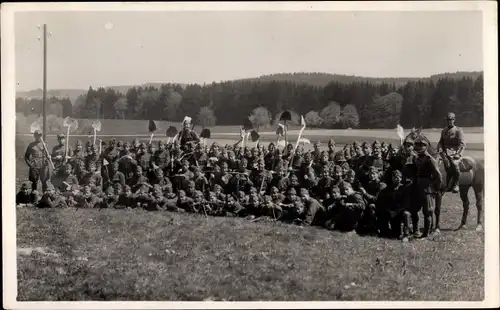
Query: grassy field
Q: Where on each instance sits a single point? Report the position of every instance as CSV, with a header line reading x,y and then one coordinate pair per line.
x,y
135,255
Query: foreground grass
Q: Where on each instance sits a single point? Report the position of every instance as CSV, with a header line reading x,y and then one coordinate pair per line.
x,y
136,255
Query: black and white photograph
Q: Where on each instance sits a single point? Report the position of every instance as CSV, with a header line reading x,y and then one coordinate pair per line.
x,y
250,152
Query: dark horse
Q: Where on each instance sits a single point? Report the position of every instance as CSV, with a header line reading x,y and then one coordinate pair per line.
x,y
471,175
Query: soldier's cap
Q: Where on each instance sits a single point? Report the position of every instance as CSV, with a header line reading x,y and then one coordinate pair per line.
x,y
355,143
421,141
450,116
375,143
37,133
340,157
292,191
397,173
331,141
79,143
409,141
25,186
60,136
68,166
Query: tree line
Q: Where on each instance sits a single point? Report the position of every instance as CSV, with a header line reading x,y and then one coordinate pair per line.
x,y
359,104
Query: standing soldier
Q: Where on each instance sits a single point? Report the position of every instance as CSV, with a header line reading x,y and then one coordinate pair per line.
x,y
187,134
452,143
37,161
428,180
59,152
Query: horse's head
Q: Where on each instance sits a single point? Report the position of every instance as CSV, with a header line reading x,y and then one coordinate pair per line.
x,y
418,134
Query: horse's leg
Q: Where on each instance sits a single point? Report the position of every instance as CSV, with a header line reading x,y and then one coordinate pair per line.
x,y
464,196
478,192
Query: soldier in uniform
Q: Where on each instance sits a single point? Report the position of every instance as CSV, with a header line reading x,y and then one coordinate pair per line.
x,y
428,180
78,155
37,161
59,152
452,143
187,134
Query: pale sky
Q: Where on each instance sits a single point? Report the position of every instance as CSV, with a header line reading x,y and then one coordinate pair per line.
x,y
126,48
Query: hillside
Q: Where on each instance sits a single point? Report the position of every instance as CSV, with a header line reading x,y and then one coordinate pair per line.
x,y
312,78
322,79
72,94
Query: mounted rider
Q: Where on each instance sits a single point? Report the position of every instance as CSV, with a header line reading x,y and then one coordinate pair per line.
x,y
452,144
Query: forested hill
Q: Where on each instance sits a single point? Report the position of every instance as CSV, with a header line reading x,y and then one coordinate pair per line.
x,y
322,79
314,78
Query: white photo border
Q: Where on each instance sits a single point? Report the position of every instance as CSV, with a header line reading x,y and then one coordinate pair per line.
x,y
490,63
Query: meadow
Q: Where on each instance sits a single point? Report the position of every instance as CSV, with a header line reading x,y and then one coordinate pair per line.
x,y
69,254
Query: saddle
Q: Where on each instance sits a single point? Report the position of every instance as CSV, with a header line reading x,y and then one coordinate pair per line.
x,y
465,164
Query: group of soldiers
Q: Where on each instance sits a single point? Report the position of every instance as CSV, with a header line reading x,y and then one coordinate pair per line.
x,y
368,188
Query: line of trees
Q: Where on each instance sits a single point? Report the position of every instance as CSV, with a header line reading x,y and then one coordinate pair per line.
x,y
359,104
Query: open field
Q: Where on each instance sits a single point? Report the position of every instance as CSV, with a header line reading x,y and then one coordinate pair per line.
x,y
70,254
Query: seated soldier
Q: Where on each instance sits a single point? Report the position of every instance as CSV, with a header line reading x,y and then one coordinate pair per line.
x,y
92,178
393,209
158,178
337,175
351,209
74,196
109,200
25,197
350,177
184,202
156,200
200,205
51,199
292,207
64,178
80,171
87,199
138,179
276,196
200,181
216,204
321,190
219,192
270,208
126,199
142,195
233,208
314,212
333,208
115,176
370,194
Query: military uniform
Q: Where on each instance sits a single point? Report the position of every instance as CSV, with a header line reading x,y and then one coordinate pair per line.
x,y
428,181
452,142
59,153
38,163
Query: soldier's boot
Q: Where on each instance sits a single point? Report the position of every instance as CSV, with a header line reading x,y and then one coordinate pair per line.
x,y
34,186
455,176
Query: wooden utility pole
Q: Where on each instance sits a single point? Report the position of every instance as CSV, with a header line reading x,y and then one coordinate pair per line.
x,y
44,101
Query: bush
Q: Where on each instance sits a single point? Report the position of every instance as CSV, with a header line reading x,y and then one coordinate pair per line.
x,y
313,119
